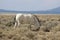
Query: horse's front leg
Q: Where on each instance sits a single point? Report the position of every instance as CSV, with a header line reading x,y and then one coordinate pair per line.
x,y
19,23
15,24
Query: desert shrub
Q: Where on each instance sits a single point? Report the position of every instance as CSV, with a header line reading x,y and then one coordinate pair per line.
x,y
10,24
57,36
2,26
48,26
42,22
30,35
56,29
50,36
58,19
0,22
51,24
52,19
7,20
3,21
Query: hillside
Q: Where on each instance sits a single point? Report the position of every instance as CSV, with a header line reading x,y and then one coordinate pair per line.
x,y
50,11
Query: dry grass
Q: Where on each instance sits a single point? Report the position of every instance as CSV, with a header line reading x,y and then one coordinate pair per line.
x,y
49,29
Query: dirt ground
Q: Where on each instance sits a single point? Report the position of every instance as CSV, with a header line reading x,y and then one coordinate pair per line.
x,y
49,28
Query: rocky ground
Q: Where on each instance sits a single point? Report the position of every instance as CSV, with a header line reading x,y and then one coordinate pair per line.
x,y
49,28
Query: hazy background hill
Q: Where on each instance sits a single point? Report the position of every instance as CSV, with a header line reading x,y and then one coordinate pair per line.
x,y
51,11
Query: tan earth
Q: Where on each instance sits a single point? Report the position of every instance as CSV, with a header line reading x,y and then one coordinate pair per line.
x,y
49,28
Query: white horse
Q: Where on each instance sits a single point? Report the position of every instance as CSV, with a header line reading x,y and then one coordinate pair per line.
x,y
17,23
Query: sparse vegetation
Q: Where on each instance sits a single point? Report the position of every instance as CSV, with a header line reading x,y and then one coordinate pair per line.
x,y
49,28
